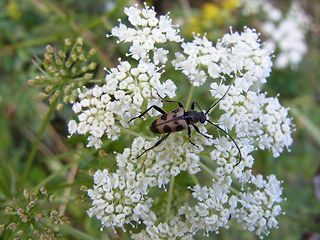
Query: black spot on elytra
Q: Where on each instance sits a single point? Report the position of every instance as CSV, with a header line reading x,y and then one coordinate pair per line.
x,y
176,122
176,110
179,128
166,129
164,117
154,128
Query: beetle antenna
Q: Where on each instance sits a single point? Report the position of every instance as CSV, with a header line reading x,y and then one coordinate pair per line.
x,y
240,157
213,105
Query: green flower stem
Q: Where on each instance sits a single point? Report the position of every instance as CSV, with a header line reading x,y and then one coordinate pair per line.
x,y
186,9
189,99
195,179
136,134
312,129
67,229
203,166
54,174
64,168
169,200
29,43
35,144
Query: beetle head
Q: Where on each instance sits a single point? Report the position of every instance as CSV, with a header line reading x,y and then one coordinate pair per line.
x,y
202,117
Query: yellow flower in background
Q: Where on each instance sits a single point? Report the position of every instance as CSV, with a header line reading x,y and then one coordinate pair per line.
x,y
195,25
13,10
213,15
230,4
210,11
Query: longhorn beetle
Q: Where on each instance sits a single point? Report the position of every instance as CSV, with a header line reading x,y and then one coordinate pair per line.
x,y
179,120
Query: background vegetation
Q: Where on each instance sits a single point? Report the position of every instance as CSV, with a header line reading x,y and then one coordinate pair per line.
x,y
27,27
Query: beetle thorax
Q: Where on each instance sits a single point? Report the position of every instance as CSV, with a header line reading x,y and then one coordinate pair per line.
x,y
195,116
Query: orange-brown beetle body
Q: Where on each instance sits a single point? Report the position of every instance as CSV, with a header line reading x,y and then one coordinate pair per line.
x,y
173,121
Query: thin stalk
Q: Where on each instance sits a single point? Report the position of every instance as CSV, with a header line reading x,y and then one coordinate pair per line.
x,y
312,128
67,191
136,134
189,99
35,144
56,173
195,179
67,229
64,168
28,43
186,9
169,200
207,169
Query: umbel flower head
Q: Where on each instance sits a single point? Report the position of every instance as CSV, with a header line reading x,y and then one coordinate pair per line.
x,y
63,72
148,195
31,216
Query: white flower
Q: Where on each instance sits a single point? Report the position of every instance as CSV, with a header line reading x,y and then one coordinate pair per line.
x,y
200,193
72,127
94,142
160,56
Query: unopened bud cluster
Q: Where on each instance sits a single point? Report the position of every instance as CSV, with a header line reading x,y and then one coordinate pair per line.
x,y
64,71
30,216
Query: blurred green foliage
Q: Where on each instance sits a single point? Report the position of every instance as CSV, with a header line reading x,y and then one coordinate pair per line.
x,y
28,26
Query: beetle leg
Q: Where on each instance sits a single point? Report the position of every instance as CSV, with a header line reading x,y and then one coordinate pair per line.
x,y
153,106
198,131
192,105
156,144
189,135
170,101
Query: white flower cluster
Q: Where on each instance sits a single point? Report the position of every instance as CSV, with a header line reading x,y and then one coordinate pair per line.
x,y
286,34
260,207
122,197
250,7
148,32
135,196
254,116
235,54
255,209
